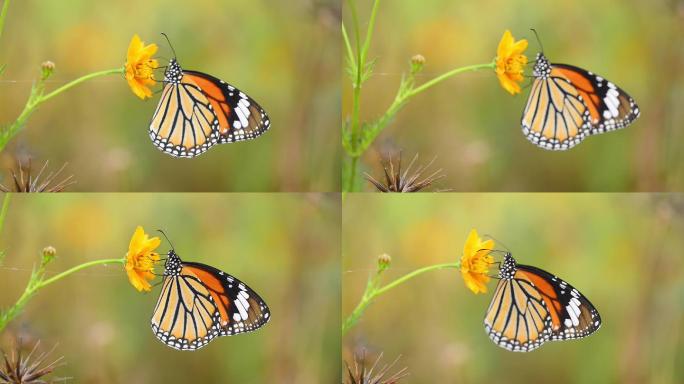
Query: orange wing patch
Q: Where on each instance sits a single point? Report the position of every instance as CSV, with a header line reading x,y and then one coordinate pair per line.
x,y
216,98
548,294
216,289
584,88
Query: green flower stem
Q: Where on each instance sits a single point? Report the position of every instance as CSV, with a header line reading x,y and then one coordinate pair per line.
x,y
38,96
449,74
361,72
36,282
77,268
358,136
406,91
373,290
3,212
3,14
79,81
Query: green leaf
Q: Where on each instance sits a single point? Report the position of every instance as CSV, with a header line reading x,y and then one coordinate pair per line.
x,y
368,70
350,68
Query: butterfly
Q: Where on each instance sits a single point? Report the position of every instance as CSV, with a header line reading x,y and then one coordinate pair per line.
x,y
567,104
531,306
197,111
199,303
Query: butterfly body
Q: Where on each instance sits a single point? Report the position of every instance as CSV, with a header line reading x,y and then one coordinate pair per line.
x,y
199,303
531,306
197,111
567,104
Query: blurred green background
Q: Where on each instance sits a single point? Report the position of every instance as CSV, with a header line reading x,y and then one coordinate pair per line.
x,y
286,55
472,125
624,252
284,246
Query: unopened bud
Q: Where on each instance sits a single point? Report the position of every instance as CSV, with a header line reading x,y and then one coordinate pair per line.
x,y
49,254
384,262
417,63
47,68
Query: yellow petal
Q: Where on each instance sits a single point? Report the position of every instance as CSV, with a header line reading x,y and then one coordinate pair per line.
x,y
505,44
141,258
475,262
140,67
510,62
518,48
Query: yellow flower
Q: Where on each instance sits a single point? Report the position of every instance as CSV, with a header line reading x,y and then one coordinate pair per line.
x,y
141,258
510,62
140,66
475,262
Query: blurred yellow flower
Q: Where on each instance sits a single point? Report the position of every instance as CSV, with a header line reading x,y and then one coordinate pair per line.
x,y
510,62
140,66
475,262
141,258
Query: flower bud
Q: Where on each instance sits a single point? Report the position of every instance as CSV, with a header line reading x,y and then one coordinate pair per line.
x,y
384,262
417,63
49,254
46,69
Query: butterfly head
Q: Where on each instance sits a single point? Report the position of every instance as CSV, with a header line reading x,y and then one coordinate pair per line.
x,y
173,73
508,267
542,67
173,264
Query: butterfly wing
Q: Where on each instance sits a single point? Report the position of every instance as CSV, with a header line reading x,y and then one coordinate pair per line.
x,y
184,123
201,303
609,106
239,116
186,316
573,315
240,308
555,117
535,306
567,103
518,318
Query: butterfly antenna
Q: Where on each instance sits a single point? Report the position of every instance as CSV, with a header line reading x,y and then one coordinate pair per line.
x,y
169,41
167,239
498,241
538,39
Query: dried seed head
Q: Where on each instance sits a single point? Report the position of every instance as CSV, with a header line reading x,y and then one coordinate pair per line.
x,y
398,181
31,368
26,180
368,371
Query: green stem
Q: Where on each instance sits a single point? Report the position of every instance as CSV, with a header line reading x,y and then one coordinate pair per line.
x,y
347,45
369,32
3,213
37,97
78,81
77,268
3,14
36,282
372,291
359,78
356,101
413,274
447,75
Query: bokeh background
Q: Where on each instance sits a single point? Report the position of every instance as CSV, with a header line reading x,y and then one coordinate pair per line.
x,y
472,125
284,246
286,55
622,251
